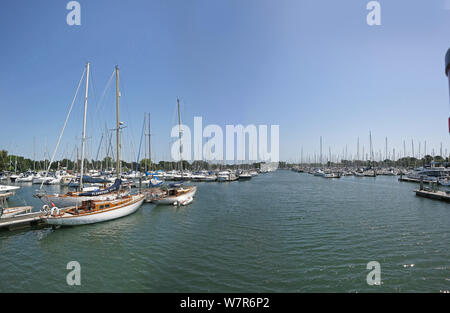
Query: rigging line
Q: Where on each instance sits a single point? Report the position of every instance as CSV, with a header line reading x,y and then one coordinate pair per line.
x,y
64,127
105,90
99,146
94,95
129,134
99,103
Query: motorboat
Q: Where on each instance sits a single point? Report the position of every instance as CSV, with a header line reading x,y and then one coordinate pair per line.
x,y
226,176
432,174
331,175
174,195
319,172
26,178
8,189
245,176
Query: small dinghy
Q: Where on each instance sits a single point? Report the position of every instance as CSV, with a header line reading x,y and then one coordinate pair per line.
x,y
184,202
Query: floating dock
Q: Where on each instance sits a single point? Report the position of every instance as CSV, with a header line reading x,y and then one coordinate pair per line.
x,y
436,195
6,195
21,221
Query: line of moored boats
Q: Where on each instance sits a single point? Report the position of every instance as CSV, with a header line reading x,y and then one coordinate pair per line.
x,y
432,174
105,196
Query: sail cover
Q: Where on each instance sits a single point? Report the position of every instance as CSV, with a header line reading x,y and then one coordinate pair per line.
x,y
94,180
112,188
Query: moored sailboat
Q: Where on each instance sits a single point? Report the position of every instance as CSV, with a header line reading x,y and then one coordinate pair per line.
x,y
178,194
95,210
77,198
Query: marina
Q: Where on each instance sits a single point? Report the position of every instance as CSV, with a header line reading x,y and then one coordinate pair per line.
x,y
318,239
204,147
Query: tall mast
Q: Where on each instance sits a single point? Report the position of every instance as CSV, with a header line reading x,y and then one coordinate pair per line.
x,y
179,135
117,122
149,144
145,144
301,158
357,149
34,153
83,139
321,150
386,154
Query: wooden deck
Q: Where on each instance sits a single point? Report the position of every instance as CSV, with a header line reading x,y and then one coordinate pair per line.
x,y
6,195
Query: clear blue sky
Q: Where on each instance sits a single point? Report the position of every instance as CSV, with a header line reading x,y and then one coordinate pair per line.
x,y
313,67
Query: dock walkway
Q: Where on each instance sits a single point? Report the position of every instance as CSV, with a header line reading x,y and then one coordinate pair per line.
x,y
21,221
436,195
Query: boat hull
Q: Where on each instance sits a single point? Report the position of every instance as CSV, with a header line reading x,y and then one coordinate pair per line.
x,y
97,217
176,199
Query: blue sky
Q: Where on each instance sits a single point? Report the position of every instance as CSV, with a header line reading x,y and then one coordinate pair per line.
x,y
313,67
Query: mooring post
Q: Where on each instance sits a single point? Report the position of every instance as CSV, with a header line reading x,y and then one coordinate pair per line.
x,y
421,182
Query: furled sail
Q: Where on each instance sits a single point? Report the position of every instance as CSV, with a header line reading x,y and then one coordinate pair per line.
x,y
112,188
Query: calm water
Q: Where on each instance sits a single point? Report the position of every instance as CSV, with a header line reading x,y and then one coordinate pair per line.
x,y
279,232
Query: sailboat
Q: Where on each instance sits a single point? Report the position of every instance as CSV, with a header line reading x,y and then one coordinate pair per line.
x,y
77,198
178,194
95,211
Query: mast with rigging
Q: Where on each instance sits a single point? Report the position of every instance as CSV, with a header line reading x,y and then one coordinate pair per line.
x,y
117,122
83,139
